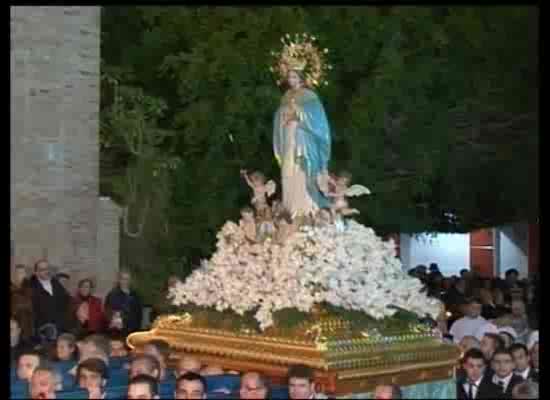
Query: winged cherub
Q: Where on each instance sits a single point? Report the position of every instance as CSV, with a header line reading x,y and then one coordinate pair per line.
x,y
337,187
262,189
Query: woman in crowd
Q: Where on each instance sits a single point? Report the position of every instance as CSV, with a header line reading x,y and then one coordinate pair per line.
x,y
87,309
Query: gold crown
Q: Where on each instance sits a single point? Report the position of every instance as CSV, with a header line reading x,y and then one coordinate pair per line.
x,y
301,54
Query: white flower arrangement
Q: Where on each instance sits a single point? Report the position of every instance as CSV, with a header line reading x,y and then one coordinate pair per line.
x,y
354,269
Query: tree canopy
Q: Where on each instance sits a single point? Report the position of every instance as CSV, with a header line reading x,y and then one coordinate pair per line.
x,y
435,109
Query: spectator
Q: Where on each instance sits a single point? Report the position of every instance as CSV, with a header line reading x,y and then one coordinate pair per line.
x,y
50,300
143,387
93,346
476,384
522,360
526,390
508,335
253,386
510,283
190,386
123,298
470,323
17,343
162,304
65,280
145,364
117,324
21,301
118,346
27,362
187,364
45,382
488,307
503,367
161,351
490,343
534,352
87,309
498,298
301,384
519,321
92,375
455,296
469,342
65,348
387,392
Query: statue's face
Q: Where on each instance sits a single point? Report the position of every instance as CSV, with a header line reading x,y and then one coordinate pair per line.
x,y
294,80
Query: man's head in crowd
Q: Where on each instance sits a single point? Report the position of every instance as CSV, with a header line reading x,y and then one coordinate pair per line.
x,y
94,345
490,342
118,347
124,280
460,285
92,375
19,274
45,381
187,364
145,364
190,386
535,355
474,364
521,356
161,351
253,386
503,363
512,276
387,392
526,390
15,332
473,308
27,362
518,309
142,387
469,342
42,270
301,384
65,347
507,338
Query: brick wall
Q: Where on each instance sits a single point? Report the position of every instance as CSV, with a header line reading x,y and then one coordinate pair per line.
x,y
55,62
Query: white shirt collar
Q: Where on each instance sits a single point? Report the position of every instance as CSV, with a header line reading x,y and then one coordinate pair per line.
x,y
525,373
506,380
475,388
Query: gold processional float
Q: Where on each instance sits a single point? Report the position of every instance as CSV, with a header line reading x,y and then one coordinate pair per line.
x,y
348,354
347,358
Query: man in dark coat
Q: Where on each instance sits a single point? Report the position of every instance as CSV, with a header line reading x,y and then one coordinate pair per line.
x,y
476,384
51,302
123,298
503,366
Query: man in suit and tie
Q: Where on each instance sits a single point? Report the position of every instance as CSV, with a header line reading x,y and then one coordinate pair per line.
x,y
476,384
503,367
522,359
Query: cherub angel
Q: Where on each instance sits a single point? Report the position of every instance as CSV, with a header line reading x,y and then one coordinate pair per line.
x,y
337,187
248,224
285,227
262,190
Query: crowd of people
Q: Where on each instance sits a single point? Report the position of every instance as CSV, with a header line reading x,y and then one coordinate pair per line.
x,y
65,346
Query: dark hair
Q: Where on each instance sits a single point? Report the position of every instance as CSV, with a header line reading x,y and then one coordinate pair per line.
x,y
100,342
192,376
301,371
147,380
152,362
161,346
116,336
474,300
507,334
95,365
83,281
62,275
526,390
475,354
463,271
510,272
518,346
497,340
502,351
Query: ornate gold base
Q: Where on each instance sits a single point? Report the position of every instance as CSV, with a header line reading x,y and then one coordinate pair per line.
x,y
346,360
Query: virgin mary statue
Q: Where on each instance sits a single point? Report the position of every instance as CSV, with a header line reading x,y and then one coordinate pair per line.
x,y
301,134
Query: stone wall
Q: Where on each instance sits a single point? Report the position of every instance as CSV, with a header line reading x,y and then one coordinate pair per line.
x,y
55,60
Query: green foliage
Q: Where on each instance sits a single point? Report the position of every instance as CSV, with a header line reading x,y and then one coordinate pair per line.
x,y
435,109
